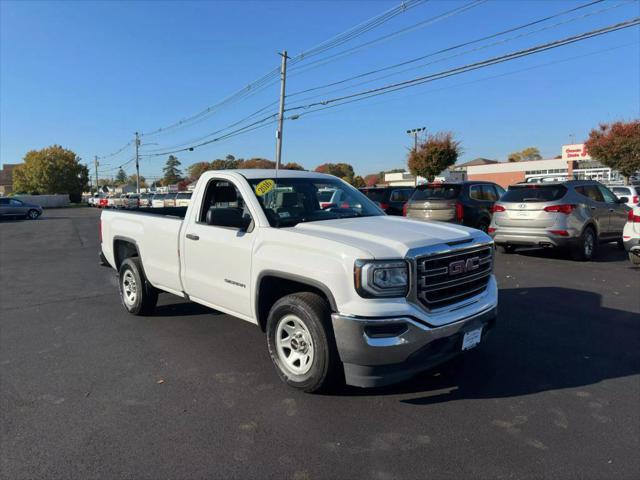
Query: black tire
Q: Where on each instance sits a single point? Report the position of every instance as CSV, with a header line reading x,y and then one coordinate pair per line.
x,y
620,244
483,226
314,313
633,258
508,249
145,296
33,214
585,248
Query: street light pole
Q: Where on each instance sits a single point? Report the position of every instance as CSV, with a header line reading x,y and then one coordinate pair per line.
x,y
137,163
283,81
95,163
414,132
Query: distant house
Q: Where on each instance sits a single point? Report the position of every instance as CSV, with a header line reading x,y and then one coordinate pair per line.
x,y
462,167
6,178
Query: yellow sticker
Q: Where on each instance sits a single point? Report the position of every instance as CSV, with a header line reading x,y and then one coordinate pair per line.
x,y
265,186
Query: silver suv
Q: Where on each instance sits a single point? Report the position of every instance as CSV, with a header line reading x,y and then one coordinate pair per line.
x,y
577,214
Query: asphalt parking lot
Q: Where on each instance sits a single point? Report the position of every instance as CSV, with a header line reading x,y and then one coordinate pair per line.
x,y
88,391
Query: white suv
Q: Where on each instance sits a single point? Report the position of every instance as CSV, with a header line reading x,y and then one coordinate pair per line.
x,y
631,192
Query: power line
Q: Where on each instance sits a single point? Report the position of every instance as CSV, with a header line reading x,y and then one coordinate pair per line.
x,y
444,50
473,66
464,52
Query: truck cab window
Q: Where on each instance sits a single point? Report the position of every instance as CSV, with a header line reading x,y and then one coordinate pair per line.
x,y
222,194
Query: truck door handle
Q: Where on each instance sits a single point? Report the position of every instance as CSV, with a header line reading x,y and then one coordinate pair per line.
x,y
191,236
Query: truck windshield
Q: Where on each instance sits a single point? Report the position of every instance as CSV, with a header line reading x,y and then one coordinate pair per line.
x,y
289,201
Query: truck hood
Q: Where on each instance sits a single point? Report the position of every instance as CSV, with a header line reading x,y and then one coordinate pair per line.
x,y
387,236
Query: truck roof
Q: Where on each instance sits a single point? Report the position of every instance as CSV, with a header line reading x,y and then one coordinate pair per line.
x,y
251,173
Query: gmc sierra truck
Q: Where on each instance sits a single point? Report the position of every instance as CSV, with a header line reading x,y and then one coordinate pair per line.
x,y
342,291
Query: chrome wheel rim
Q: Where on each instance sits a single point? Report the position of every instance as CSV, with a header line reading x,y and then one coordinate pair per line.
x,y
33,214
294,345
129,288
588,244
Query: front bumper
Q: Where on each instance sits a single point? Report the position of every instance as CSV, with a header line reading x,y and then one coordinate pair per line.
x,y
382,351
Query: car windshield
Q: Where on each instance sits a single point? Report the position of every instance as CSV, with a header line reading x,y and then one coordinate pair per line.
x,y
436,192
289,201
534,193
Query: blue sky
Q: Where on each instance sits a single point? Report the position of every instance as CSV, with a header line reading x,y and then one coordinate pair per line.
x,y
87,75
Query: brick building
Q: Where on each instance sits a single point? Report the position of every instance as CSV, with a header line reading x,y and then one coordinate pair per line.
x,y
6,178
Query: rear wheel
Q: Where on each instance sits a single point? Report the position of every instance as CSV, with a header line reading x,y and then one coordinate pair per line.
x,y
620,244
585,249
137,295
483,226
301,343
508,249
33,214
633,258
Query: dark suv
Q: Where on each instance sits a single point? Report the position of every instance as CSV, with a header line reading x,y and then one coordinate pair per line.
x,y
467,203
390,199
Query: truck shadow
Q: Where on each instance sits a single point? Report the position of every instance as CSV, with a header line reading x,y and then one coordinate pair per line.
x,y
608,252
537,346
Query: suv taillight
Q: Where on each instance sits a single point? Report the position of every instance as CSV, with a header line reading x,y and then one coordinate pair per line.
x,y
384,206
633,218
566,209
459,212
635,199
497,208
404,209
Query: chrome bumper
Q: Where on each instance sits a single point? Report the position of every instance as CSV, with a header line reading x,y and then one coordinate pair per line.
x,y
381,351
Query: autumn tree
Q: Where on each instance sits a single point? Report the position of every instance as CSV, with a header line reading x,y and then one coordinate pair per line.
x,y
52,170
372,180
340,170
292,166
258,163
196,169
358,182
227,163
121,177
437,153
172,174
616,145
528,154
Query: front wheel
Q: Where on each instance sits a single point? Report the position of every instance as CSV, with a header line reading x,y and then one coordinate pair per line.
x,y
301,343
33,214
508,249
634,258
137,295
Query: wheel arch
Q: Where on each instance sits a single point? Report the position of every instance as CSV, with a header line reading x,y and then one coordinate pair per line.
x,y
123,248
273,285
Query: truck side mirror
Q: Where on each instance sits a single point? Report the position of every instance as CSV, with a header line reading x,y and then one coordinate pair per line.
x,y
228,217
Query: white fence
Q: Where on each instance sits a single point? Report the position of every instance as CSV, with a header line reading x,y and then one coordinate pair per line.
x,y
45,201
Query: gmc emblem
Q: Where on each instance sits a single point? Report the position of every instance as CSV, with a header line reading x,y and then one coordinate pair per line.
x,y
463,266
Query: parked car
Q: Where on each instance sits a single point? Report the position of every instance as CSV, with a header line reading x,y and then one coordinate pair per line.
x,y
103,202
329,197
631,234
145,200
467,203
390,199
157,201
577,214
330,287
632,192
183,199
131,200
12,207
170,200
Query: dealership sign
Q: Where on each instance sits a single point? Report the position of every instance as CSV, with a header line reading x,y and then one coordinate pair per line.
x,y
576,151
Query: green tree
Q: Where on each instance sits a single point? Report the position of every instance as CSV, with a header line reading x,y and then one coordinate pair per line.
x,y
121,177
437,153
52,170
526,155
617,145
172,174
132,180
227,163
340,170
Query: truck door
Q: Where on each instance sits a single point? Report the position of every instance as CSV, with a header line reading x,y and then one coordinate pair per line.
x,y
217,259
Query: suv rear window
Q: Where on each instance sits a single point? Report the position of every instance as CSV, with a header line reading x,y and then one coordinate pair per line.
x,y
534,193
374,194
436,192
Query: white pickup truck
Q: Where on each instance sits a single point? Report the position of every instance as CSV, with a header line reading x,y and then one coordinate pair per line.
x,y
343,292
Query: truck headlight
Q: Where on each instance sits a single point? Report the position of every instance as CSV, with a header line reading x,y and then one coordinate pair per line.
x,y
381,278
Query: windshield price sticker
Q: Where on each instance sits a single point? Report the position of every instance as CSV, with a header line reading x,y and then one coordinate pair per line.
x,y
264,187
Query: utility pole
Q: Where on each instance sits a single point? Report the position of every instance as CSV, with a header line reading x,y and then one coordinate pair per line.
x,y
95,163
137,164
414,132
283,81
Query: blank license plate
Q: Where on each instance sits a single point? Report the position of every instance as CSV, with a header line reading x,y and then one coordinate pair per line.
x,y
471,339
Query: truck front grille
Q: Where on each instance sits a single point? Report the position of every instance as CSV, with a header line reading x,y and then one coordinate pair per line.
x,y
449,278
